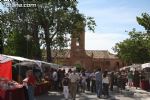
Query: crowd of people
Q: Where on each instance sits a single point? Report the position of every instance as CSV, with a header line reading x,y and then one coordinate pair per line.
x,y
99,82
73,81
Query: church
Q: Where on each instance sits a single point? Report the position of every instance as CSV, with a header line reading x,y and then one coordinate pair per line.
x,y
88,59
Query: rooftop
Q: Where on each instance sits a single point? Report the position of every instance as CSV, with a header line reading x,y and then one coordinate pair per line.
x,y
95,53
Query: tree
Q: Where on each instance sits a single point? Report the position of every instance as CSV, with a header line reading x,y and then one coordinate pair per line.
x,y
22,21
59,19
144,21
78,67
49,24
134,49
1,33
1,42
3,29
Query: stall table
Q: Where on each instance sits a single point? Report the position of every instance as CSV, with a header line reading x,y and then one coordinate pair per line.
x,y
12,94
42,88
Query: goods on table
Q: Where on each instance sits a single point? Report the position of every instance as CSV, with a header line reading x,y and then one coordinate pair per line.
x,y
7,84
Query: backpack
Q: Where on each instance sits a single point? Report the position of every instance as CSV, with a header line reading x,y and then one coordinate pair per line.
x,y
66,81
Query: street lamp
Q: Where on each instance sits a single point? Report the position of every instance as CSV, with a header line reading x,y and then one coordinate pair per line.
x,y
28,37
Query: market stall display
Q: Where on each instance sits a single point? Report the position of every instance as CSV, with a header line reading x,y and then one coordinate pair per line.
x,y
42,88
14,90
11,90
145,84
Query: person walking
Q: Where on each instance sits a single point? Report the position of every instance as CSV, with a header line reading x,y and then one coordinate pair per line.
x,y
74,78
93,83
83,82
105,85
88,80
130,79
112,77
65,84
98,77
55,79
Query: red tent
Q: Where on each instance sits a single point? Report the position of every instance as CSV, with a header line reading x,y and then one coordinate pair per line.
x,y
5,67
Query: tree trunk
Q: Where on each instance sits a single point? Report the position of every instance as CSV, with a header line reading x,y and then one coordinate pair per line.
x,y
48,44
1,43
36,45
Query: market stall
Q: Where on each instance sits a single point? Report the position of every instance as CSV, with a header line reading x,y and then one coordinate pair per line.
x,y
42,88
145,83
5,67
125,68
41,70
11,90
42,85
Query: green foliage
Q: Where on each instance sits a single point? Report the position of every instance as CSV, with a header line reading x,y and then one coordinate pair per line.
x,y
135,49
49,24
78,67
16,45
144,21
1,43
91,23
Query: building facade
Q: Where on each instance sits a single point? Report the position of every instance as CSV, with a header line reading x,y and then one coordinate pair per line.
x,y
88,59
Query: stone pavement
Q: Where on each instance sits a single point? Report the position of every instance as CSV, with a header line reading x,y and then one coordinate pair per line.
x,y
129,94
139,93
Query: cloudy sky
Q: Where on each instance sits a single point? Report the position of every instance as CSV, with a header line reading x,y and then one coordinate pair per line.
x,y
112,17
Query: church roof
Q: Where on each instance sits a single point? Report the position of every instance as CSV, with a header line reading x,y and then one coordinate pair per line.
x,y
95,53
101,54
61,54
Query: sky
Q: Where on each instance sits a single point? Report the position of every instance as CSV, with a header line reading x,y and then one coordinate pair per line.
x,y
114,19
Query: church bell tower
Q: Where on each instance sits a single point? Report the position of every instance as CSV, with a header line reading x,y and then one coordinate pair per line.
x,y
78,48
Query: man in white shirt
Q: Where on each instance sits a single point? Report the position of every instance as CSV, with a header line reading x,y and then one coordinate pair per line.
x,y
74,77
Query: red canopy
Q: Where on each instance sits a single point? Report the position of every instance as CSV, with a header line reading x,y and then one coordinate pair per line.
x,y
5,68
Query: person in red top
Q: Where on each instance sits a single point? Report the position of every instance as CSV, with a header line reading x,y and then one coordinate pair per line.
x,y
30,82
31,78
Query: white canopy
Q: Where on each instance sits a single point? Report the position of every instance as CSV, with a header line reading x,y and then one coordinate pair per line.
x,y
4,59
124,68
38,62
17,58
135,67
146,65
132,67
